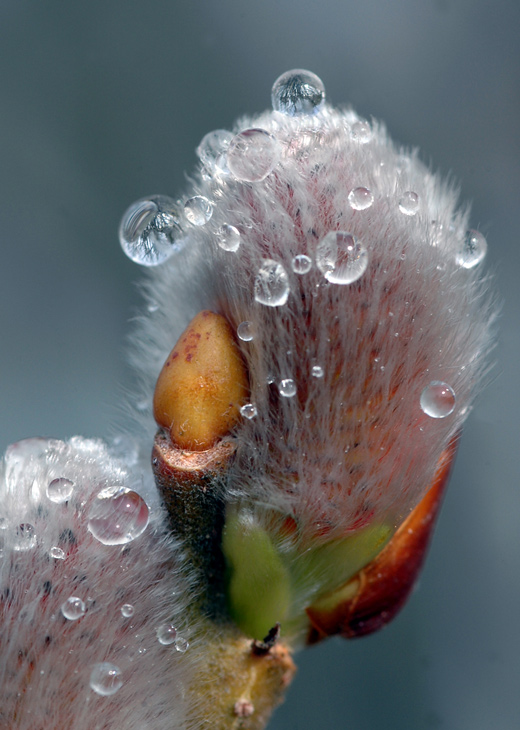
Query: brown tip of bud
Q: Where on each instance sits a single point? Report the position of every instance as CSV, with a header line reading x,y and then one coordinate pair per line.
x,y
202,384
377,593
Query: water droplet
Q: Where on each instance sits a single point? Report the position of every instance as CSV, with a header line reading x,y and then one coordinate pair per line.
x,y
361,132
24,538
228,237
301,264
57,553
472,251
252,155
317,371
360,198
106,679
212,149
198,210
166,634
117,516
150,232
298,92
249,410
73,608
181,644
245,331
341,257
127,610
409,203
60,490
287,388
438,399
271,284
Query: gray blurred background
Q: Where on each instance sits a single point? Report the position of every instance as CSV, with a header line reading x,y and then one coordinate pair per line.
x,y
104,102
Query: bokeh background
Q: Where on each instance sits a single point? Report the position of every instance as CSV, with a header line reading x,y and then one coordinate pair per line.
x,y
104,102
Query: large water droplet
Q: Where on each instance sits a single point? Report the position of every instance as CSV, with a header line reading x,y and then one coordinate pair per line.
x,y
245,331
213,148
252,155
127,610
106,679
57,553
361,132
409,203
166,634
360,198
271,284
301,264
24,537
73,608
438,399
341,257
472,251
248,411
287,388
198,210
117,516
60,490
298,92
228,237
150,232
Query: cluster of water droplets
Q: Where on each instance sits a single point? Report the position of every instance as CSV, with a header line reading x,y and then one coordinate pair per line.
x,y
167,635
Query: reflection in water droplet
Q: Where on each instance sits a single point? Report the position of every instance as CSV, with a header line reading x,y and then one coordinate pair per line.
x,y
24,538
298,92
361,132
287,388
228,237
150,231
360,198
117,516
106,679
127,610
245,331
472,251
248,411
166,634
409,203
212,149
271,284
438,399
341,257
198,210
73,608
181,644
57,553
301,264
252,155
60,490
317,371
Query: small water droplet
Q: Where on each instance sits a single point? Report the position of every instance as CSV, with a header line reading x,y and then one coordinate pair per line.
x,y
361,132
198,210
298,92
60,490
117,516
301,264
409,203
24,538
57,553
252,155
271,284
472,251
360,198
73,608
341,257
245,331
150,231
438,399
127,610
212,149
317,371
181,644
228,238
287,388
248,411
106,679
166,634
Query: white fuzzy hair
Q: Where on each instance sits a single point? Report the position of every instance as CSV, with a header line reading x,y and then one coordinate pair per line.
x,y
355,440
